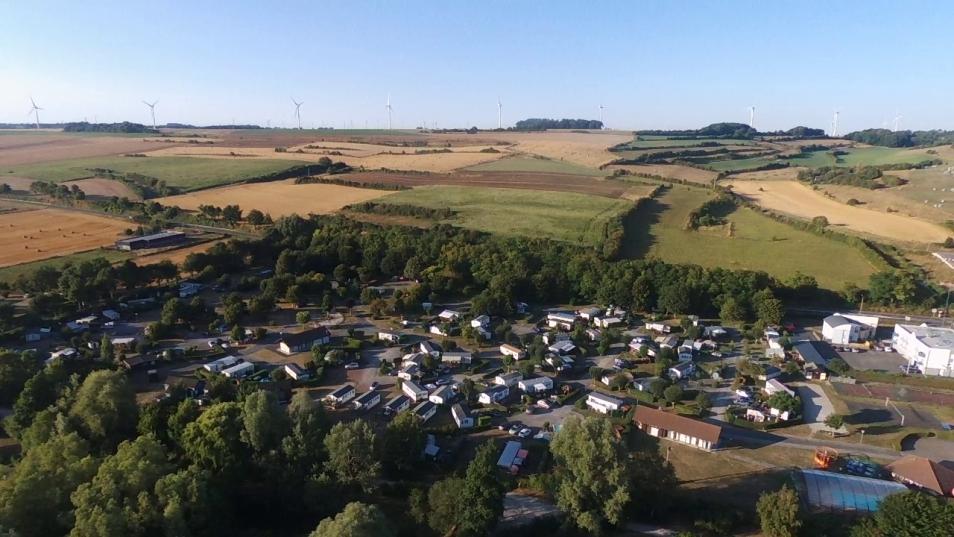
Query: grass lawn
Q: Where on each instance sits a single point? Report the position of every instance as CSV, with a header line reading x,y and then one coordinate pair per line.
x,y
9,274
564,216
863,156
539,165
756,243
189,173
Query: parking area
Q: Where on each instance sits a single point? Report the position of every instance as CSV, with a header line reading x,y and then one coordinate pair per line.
x,y
874,360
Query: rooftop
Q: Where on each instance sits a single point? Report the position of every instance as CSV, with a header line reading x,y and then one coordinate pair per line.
x,y
293,340
938,338
816,352
675,422
841,492
925,473
605,398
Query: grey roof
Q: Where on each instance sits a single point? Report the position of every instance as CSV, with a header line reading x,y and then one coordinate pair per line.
x,y
816,352
842,492
398,401
934,337
424,408
605,398
837,320
367,397
341,391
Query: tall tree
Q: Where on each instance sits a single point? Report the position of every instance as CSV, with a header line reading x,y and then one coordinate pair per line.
x,y
304,446
909,514
403,442
483,494
594,486
266,422
356,520
214,440
16,368
105,409
779,513
351,457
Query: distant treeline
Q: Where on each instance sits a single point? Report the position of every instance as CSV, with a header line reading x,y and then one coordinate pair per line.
x,y
188,126
863,176
887,138
311,179
124,127
734,130
539,124
401,209
144,185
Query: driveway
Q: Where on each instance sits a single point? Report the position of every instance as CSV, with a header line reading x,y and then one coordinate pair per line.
x,y
816,407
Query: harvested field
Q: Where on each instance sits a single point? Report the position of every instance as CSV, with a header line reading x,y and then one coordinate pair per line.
x,y
583,148
27,236
781,174
535,165
31,148
176,255
902,200
562,216
106,188
799,200
609,188
278,198
864,156
672,171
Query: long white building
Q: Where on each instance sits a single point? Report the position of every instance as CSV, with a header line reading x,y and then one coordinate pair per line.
x,y
931,349
842,329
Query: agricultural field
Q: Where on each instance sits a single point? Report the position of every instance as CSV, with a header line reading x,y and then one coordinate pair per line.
x,y
780,174
184,172
756,242
651,142
105,188
564,216
738,165
535,165
796,199
906,200
21,147
176,255
278,198
11,273
27,236
586,148
930,190
671,171
862,156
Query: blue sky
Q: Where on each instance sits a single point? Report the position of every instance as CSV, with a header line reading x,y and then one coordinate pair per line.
x,y
670,64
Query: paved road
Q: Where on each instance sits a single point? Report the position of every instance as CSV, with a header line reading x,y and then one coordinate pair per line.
x,y
758,438
816,407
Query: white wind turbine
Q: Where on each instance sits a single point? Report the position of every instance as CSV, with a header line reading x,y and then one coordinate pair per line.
x,y
499,114
834,125
601,116
152,110
35,110
388,107
298,111
752,117
897,121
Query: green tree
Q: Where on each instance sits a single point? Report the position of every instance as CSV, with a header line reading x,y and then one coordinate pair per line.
x,y
482,495
15,370
838,366
779,513
351,457
185,413
673,394
784,402
675,298
731,310
214,440
594,486
266,422
908,514
768,309
35,494
444,506
703,402
121,500
106,350
834,422
304,446
303,317
187,502
356,520
105,409
402,442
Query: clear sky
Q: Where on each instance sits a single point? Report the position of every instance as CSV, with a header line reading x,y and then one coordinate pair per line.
x,y
665,64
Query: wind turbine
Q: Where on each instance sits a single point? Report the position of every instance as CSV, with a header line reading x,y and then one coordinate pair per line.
x,y
752,117
834,125
499,114
388,107
601,115
298,111
152,110
35,110
897,120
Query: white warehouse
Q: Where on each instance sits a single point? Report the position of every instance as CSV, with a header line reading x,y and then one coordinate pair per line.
x,y
929,348
842,329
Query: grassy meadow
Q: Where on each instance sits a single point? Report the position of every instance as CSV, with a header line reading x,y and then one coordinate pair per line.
x,y
535,165
756,243
563,216
861,156
188,173
654,143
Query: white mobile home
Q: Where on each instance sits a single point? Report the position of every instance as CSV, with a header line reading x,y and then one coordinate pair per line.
x,y
456,357
425,410
536,385
296,372
341,395
507,379
367,400
602,403
239,371
413,390
513,352
494,394
561,320
442,396
399,403
462,417
222,363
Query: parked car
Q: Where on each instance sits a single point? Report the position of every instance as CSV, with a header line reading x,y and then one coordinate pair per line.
x,y
374,385
351,365
515,429
444,382
525,432
430,386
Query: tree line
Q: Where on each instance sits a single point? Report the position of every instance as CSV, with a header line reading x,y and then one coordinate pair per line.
x,y
123,127
540,124
906,138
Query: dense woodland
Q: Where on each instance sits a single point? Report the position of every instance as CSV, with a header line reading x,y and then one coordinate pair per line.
x,y
125,127
889,138
539,124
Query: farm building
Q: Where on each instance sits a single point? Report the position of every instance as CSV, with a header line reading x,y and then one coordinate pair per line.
x,y
390,337
456,357
218,365
929,348
562,347
304,341
413,390
513,352
561,320
156,240
677,428
507,379
341,395
239,370
924,474
842,329
367,401
462,417
494,394
512,456
831,491
296,372
442,395
425,410
399,403
602,403
773,386
536,385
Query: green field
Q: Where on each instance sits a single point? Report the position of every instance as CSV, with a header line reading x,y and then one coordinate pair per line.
x,y
738,165
757,243
188,173
564,216
535,165
9,274
861,156
653,143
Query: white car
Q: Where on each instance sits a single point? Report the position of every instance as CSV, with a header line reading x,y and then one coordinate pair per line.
x,y
525,432
351,365
515,429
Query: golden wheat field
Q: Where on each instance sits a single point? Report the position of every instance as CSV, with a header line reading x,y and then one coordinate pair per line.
x,y
40,234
